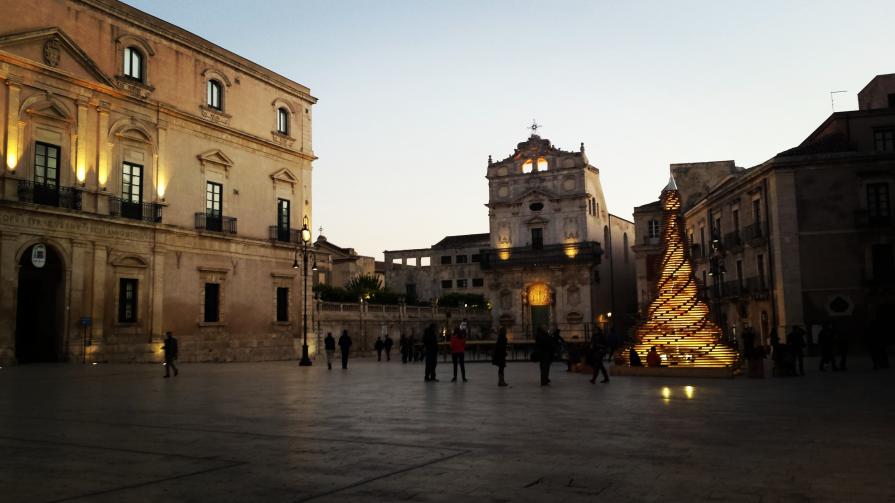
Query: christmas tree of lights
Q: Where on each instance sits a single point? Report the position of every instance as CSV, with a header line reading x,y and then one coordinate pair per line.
x,y
678,323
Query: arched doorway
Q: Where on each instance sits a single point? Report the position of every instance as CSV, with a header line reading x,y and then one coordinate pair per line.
x,y
539,307
39,306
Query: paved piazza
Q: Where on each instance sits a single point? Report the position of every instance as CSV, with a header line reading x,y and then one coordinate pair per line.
x,y
275,432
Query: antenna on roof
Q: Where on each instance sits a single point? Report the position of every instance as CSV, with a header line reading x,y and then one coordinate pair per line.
x,y
832,106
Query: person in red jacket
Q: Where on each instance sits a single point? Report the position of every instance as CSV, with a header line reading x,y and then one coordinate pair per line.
x,y
458,352
653,359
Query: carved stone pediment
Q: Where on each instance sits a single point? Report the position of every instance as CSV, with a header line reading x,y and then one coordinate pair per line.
x,y
284,175
215,159
54,49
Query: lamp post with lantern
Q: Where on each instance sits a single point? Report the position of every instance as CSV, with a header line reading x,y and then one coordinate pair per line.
x,y
305,252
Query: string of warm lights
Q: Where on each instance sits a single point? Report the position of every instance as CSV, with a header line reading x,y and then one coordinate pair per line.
x,y
678,323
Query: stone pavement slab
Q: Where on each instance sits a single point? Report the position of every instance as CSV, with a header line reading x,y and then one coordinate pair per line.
x,y
377,432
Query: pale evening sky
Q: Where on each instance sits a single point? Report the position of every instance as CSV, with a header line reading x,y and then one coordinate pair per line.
x,y
414,95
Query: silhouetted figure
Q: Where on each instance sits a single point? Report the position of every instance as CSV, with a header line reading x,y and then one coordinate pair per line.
x,y
458,352
545,349
599,345
499,358
826,338
387,344
841,340
748,342
378,346
796,341
635,358
402,347
171,352
329,343
430,347
344,347
652,358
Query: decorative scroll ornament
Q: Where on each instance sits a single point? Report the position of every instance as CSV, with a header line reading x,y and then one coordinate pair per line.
x,y
52,52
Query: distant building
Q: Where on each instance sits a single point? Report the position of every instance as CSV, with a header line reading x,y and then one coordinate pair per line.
x,y
554,256
804,238
337,266
151,181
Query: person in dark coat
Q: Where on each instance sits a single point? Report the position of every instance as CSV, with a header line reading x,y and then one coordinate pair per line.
x,y
499,358
378,346
329,343
344,347
795,339
635,358
170,349
826,339
598,348
545,349
430,345
387,344
402,347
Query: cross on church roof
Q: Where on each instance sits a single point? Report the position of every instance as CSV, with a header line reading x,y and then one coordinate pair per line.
x,y
534,127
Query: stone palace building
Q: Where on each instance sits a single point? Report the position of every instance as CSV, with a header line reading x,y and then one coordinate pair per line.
x,y
554,257
151,181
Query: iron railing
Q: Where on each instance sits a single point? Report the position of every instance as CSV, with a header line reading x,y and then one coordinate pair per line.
x,y
147,212
215,223
573,253
285,235
49,195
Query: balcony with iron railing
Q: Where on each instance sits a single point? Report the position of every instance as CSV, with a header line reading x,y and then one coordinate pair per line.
x,y
756,234
146,212
572,253
215,223
49,195
285,235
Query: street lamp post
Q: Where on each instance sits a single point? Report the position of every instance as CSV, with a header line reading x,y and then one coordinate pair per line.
x,y
305,251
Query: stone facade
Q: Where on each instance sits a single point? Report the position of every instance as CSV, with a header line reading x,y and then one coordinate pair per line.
x,y
554,256
132,150
801,239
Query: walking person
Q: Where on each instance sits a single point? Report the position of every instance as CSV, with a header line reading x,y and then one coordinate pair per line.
x,y
402,347
170,349
329,343
598,348
499,358
458,352
544,347
430,346
378,346
388,347
344,347
826,339
796,340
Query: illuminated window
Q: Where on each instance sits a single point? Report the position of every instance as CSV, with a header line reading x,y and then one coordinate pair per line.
x,y
527,166
542,164
213,97
282,121
133,63
46,164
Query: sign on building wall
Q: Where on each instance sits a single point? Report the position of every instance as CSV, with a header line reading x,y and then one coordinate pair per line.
x,y
39,256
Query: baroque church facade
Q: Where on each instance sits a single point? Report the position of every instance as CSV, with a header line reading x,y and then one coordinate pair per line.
x,y
151,181
554,256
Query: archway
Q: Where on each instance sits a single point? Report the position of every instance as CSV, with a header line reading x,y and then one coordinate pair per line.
x,y
39,306
539,307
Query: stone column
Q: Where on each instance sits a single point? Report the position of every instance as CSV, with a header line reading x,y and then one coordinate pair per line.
x,y
14,85
8,281
81,145
100,260
158,294
103,147
78,306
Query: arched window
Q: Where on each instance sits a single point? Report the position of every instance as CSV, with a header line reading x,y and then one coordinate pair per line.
x,y
213,98
527,166
542,164
625,244
282,121
133,63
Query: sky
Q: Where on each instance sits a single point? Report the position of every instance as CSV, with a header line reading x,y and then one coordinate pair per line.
x,y
414,95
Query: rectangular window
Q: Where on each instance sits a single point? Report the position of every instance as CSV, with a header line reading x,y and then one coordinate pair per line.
x,y
131,183
214,94
461,259
46,164
282,121
445,260
446,283
478,282
213,194
740,273
756,213
878,200
283,220
883,262
653,229
884,140
736,219
716,232
212,303
537,238
133,65
127,300
282,304
461,283
475,257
